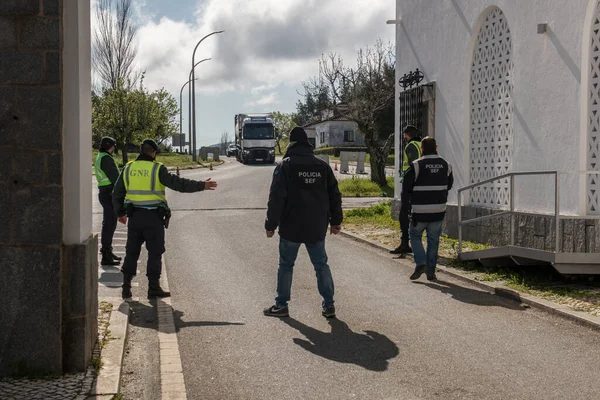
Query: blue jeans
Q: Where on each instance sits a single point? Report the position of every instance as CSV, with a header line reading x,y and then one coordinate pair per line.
x,y
288,251
434,231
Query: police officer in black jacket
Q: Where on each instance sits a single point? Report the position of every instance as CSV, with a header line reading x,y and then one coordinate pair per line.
x,y
427,181
304,200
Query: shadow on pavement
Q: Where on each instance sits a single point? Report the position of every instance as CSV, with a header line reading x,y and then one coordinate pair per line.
x,y
370,351
180,323
471,296
145,316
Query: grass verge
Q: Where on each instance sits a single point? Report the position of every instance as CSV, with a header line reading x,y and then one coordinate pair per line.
x,y
578,293
183,161
363,187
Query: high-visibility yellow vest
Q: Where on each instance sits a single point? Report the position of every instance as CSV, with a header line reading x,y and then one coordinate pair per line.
x,y
143,184
101,176
405,164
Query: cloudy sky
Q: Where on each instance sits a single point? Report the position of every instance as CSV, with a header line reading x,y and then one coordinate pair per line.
x,y
268,48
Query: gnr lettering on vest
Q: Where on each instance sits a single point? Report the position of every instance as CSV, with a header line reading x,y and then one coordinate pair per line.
x,y
138,172
309,177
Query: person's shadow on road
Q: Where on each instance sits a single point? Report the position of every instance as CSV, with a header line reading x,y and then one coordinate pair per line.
x,y
371,350
471,296
145,315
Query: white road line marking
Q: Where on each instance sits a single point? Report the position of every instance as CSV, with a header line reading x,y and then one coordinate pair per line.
x,y
113,284
171,372
109,269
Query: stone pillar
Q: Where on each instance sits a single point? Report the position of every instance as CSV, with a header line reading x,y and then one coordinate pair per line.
x,y
48,256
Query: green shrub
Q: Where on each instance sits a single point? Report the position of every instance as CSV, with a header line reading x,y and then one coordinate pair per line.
x,y
363,187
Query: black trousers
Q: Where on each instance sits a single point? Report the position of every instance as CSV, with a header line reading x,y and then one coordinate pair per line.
x,y
109,219
145,226
405,211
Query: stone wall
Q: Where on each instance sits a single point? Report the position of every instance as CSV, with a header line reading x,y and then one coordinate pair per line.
x,y
36,313
534,231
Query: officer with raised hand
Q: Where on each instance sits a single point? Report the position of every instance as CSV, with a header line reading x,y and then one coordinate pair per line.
x,y
107,173
139,195
304,200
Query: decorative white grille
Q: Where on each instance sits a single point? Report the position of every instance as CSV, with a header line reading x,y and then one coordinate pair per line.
x,y
492,111
593,181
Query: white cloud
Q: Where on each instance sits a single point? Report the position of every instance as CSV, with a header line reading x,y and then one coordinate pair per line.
x,y
268,48
265,43
266,100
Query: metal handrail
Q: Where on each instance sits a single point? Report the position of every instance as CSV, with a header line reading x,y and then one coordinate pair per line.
x,y
511,175
497,178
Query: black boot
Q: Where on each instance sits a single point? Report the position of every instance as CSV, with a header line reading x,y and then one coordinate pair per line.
x,y
126,287
404,248
113,255
107,259
154,290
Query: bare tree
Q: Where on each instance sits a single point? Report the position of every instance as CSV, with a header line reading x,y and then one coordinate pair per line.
x,y
225,141
367,92
114,49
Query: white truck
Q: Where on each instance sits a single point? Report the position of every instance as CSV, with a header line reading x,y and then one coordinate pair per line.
x,y
255,138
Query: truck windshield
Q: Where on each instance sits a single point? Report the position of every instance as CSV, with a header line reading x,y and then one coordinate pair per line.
x,y
258,131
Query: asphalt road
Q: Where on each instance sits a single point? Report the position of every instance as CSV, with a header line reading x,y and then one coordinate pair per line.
x,y
393,339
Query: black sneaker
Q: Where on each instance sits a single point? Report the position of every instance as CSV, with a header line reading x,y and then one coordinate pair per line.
x,y
419,270
328,312
432,278
275,311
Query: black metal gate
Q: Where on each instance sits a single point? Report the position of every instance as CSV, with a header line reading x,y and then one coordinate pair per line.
x,y
411,108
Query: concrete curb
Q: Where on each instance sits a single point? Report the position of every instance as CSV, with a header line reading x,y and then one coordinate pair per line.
x,y
108,382
578,317
172,383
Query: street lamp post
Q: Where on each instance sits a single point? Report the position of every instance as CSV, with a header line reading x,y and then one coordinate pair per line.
x,y
181,117
190,107
193,89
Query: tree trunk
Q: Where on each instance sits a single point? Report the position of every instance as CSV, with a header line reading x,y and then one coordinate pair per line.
x,y
378,161
124,148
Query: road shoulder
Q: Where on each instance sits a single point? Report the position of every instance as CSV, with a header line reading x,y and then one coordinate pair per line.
x,y
578,317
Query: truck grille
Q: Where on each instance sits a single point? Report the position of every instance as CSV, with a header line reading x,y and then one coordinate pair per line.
x,y
264,154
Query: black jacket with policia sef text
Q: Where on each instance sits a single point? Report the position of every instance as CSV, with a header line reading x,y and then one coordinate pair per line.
x,y
304,197
428,181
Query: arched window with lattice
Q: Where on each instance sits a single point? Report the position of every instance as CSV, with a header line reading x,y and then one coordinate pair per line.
x,y
491,125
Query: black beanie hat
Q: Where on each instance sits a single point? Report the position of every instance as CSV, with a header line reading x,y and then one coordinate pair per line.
x,y
298,135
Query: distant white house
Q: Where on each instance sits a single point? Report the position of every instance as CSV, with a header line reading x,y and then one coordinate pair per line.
x,y
335,130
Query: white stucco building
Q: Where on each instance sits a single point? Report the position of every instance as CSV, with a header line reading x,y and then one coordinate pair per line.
x,y
509,86
509,95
